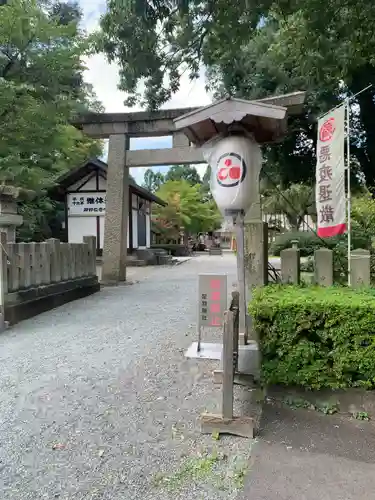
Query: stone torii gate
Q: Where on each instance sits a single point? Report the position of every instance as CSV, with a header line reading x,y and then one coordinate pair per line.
x,y
120,127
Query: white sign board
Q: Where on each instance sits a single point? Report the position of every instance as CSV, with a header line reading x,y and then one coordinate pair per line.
x,y
330,174
212,299
90,204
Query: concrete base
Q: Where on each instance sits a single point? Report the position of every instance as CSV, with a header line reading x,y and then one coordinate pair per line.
x,y
248,357
208,351
28,303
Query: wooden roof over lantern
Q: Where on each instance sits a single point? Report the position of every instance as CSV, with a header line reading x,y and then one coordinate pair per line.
x,y
265,119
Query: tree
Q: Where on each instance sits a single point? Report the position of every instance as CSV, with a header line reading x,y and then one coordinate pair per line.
x,y
185,209
152,180
254,49
295,202
207,177
183,172
41,89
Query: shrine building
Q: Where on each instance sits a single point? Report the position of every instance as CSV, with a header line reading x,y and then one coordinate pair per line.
x,y
83,192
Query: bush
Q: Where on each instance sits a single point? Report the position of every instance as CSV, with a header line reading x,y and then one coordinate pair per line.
x,y
316,337
308,242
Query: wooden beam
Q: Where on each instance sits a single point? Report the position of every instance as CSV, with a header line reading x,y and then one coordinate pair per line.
x,y
237,426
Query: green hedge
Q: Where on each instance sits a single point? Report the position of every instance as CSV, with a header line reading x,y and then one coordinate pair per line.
x,y
308,242
316,337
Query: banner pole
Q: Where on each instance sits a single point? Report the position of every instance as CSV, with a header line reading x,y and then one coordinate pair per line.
x,y
348,183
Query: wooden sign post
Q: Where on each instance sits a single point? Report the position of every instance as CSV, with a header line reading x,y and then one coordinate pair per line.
x,y
227,423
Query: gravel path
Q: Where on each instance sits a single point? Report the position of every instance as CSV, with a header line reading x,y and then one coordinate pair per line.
x,y
98,402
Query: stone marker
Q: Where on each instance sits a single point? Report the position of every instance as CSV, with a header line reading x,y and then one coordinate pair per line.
x,y
360,268
290,266
323,265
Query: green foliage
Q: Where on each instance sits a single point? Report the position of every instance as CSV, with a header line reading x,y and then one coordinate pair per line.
x,y
295,202
316,337
193,469
41,89
183,172
326,407
363,216
186,209
40,63
253,49
152,180
362,415
308,242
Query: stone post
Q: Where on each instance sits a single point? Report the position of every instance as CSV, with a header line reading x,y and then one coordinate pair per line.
x,y
360,268
25,264
91,254
323,265
3,277
116,215
9,218
55,260
256,256
290,266
45,256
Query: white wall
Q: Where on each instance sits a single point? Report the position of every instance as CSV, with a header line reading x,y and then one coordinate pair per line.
x,y
135,228
148,230
101,231
78,227
89,184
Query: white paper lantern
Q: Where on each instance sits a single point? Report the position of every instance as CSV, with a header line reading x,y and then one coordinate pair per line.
x,y
235,165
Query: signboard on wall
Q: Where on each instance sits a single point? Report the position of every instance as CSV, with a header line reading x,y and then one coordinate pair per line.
x,y
212,299
90,204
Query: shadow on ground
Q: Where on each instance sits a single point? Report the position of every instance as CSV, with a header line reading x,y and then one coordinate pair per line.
x,y
305,455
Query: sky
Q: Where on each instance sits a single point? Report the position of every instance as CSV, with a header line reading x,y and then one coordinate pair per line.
x,y
104,78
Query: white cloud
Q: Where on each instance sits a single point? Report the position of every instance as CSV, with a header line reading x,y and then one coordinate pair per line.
x,y
104,78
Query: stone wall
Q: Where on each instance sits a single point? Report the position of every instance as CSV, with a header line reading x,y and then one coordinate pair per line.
x,y
36,277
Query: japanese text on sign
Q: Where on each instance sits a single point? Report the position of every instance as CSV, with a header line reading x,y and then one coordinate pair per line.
x,y
330,174
212,299
86,203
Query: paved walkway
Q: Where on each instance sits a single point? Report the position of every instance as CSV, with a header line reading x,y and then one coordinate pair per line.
x,y
305,455
98,402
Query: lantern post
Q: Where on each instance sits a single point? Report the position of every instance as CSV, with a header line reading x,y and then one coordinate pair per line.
x,y
230,133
